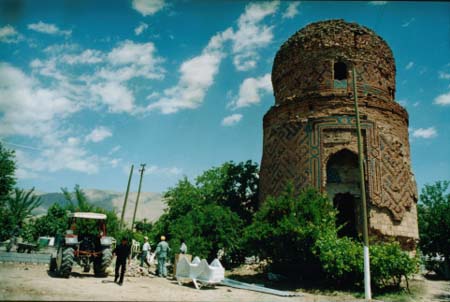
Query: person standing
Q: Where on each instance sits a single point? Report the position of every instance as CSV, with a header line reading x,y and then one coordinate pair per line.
x,y
183,247
122,252
162,253
145,252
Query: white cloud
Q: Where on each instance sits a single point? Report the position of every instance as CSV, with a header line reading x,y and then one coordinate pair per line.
x,y
232,119
60,155
403,102
57,49
444,75
251,90
98,134
116,96
50,29
129,52
48,68
409,65
140,29
8,34
424,132
291,10
114,149
148,7
154,169
130,60
28,108
251,35
114,162
23,173
196,76
89,56
408,23
443,99
378,2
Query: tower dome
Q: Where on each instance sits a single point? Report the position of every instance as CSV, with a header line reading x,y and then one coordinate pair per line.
x,y
317,60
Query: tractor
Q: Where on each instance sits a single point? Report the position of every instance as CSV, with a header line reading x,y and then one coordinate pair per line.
x,y
85,243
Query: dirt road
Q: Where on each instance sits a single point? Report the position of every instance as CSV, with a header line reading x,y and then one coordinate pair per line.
x,y
33,282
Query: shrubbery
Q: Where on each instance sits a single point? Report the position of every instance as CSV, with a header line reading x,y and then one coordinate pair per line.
x,y
286,228
341,259
297,234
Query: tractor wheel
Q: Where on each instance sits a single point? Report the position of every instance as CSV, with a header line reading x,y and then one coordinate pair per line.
x,y
101,264
52,267
66,263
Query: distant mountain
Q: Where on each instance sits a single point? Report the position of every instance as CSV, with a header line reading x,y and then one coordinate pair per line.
x,y
151,205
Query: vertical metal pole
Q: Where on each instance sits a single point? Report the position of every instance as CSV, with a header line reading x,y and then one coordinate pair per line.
x,y
367,289
126,198
142,169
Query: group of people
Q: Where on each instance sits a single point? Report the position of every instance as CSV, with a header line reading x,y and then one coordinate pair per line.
x,y
123,254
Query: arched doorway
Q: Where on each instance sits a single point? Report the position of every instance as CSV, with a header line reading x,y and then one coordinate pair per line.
x,y
345,204
344,189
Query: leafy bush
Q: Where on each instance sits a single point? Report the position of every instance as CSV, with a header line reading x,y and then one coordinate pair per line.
x,y
341,259
286,228
389,263
342,262
297,234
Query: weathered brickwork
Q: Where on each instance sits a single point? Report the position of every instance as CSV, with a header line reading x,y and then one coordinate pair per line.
x,y
313,120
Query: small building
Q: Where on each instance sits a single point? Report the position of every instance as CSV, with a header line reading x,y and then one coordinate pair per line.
x,y
310,133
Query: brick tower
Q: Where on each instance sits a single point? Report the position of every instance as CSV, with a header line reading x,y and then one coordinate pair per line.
x,y
310,133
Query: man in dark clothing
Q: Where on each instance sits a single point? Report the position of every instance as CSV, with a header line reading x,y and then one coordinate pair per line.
x,y
123,252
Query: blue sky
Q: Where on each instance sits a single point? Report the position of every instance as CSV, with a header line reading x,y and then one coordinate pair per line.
x,y
88,88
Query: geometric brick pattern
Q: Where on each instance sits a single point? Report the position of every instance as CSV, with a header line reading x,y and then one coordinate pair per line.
x,y
399,191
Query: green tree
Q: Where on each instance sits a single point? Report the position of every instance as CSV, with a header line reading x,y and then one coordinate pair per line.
x,y
78,202
143,226
7,169
285,230
204,224
232,185
53,223
434,220
21,204
7,225
77,199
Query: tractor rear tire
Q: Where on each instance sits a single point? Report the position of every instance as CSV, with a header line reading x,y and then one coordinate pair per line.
x,y
101,264
52,267
67,262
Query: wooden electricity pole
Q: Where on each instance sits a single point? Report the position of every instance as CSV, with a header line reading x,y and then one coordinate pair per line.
x,y
367,290
126,198
142,169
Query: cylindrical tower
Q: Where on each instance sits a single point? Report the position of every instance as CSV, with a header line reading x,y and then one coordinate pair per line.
x,y
310,133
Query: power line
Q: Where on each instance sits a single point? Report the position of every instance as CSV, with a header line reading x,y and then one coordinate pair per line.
x,y
20,146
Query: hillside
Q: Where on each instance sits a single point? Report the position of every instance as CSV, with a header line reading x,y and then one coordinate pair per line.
x,y
151,205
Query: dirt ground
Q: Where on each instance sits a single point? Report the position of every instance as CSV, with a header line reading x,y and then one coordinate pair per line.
x,y
33,282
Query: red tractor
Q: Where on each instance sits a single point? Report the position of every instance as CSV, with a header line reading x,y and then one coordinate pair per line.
x,y
85,243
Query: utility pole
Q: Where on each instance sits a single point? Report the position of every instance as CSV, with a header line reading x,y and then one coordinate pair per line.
x,y
367,290
142,169
126,198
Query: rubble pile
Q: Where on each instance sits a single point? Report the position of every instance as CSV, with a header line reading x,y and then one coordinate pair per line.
x,y
135,270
